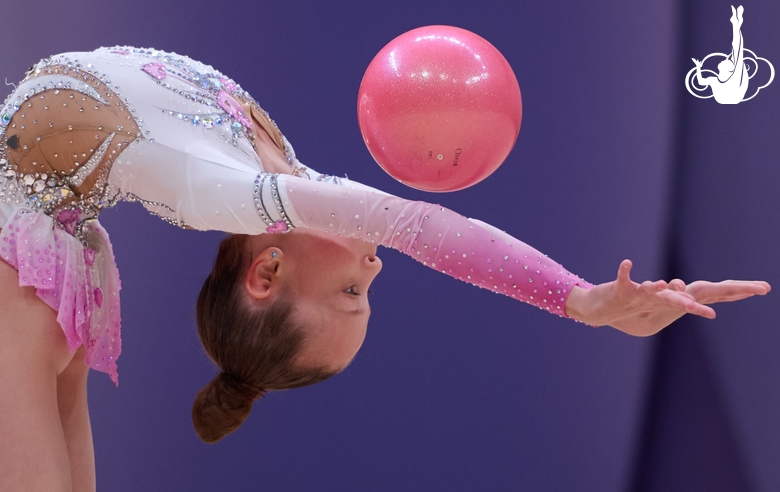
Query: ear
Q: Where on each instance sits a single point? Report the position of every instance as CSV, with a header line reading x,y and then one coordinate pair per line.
x,y
261,278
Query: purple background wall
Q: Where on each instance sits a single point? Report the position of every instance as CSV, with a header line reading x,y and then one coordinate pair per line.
x,y
457,388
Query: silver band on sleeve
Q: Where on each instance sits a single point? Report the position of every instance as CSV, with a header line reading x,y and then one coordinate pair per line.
x,y
278,202
258,198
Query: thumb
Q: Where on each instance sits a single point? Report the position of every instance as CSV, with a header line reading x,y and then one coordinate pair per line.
x,y
624,271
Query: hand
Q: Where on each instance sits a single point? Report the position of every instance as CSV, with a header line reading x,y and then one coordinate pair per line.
x,y
702,292
697,62
645,309
607,303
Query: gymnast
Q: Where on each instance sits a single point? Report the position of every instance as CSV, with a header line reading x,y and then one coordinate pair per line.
x,y
285,305
731,84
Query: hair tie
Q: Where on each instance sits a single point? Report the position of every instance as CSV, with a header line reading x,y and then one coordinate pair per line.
x,y
237,385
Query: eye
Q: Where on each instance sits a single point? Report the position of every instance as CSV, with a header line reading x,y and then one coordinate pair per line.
x,y
351,291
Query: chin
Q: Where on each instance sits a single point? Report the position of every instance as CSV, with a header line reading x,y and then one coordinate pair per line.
x,y
358,245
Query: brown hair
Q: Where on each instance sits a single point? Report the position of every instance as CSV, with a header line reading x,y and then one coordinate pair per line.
x,y
255,348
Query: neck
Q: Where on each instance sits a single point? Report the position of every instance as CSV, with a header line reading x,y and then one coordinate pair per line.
x,y
268,142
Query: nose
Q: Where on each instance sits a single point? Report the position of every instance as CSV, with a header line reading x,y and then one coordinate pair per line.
x,y
373,263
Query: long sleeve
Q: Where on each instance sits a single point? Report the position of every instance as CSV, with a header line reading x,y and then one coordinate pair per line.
x,y
439,238
192,162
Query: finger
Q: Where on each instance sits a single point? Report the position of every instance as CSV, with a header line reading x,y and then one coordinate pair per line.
x,y
677,285
736,287
688,296
697,309
726,291
649,287
683,303
731,298
685,295
726,298
624,272
763,284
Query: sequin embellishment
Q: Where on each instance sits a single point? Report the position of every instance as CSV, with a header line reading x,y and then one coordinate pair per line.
x,y
155,69
210,89
56,185
233,108
84,171
274,226
277,228
278,203
258,199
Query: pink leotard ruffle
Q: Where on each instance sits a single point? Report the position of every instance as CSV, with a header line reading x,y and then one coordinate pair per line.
x,y
80,283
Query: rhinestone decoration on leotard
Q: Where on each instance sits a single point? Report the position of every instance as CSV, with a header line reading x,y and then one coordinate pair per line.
x,y
258,199
209,88
278,202
283,224
132,198
327,178
78,178
60,76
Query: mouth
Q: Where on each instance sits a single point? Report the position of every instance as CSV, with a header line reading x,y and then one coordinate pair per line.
x,y
354,244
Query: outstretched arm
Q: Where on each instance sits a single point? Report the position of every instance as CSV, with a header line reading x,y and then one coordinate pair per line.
x,y
439,238
699,79
433,235
478,253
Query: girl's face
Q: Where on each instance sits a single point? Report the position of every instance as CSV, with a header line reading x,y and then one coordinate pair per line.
x,y
328,277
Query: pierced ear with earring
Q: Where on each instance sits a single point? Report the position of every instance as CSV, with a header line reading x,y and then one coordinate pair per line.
x,y
274,254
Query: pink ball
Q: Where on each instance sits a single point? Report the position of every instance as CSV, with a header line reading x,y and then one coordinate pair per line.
x,y
439,108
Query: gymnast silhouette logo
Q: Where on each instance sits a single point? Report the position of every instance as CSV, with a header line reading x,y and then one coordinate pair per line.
x,y
730,84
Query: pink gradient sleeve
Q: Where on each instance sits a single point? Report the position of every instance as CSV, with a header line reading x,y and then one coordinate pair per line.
x,y
437,237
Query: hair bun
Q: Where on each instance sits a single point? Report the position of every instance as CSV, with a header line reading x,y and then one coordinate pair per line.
x,y
221,406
